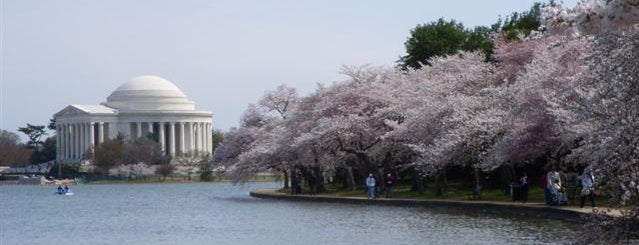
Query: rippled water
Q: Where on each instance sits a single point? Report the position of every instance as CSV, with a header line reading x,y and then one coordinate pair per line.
x,y
220,213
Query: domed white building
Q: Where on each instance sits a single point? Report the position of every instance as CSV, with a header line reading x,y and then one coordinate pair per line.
x,y
143,105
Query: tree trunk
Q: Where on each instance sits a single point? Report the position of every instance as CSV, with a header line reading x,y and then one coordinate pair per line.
x,y
507,174
439,183
317,171
476,177
350,179
419,182
286,186
319,179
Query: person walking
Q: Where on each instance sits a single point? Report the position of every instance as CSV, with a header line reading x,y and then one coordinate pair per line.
x,y
370,185
389,185
587,188
523,183
552,177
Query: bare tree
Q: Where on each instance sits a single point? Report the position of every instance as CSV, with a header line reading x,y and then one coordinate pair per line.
x,y
107,155
165,170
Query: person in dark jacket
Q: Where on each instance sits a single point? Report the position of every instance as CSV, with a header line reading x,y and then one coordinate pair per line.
x,y
389,185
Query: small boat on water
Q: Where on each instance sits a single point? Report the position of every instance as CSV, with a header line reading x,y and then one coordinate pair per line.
x,y
64,191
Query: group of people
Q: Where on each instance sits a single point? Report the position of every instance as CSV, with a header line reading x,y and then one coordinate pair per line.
x,y
561,187
374,186
63,190
298,181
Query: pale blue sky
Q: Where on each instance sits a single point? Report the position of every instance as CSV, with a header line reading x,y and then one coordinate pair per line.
x,y
222,54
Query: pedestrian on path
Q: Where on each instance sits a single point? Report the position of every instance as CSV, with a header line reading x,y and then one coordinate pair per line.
x,y
370,184
389,185
587,188
523,182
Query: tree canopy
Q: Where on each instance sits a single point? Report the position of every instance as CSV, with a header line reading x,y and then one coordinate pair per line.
x,y
437,38
35,133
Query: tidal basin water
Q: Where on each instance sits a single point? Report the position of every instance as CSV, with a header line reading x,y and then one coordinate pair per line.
x,y
221,213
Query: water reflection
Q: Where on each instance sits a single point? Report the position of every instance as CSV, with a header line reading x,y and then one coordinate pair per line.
x,y
220,213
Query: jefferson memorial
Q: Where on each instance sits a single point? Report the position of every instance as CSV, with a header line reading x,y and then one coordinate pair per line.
x,y
144,105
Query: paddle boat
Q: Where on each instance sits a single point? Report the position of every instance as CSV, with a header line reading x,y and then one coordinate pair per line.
x,y
66,191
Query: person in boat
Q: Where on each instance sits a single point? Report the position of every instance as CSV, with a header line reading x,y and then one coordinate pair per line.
x,y
66,188
60,189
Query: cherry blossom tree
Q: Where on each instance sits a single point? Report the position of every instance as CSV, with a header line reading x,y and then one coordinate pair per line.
x,y
535,131
137,170
446,112
259,144
590,17
601,107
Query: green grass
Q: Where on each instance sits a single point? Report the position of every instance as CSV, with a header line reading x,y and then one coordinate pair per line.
x,y
452,192
455,193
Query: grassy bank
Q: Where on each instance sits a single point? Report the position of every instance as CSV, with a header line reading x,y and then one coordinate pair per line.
x,y
454,193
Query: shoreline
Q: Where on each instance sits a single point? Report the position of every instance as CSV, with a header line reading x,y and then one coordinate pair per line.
x,y
569,214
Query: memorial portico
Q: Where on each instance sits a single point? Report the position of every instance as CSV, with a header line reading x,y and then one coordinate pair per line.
x,y
146,105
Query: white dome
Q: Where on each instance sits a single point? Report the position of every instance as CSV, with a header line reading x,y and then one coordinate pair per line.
x,y
151,83
148,93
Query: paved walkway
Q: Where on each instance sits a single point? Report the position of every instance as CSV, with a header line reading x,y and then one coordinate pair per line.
x,y
566,213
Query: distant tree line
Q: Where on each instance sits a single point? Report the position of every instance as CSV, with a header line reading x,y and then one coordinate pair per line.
x,y
113,157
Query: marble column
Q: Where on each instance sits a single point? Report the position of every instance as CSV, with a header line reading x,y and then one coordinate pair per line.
x,y
69,142
204,138
65,141
198,145
171,138
209,137
74,141
87,137
67,149
100,132
150,129
78,143
91,135
181,128
83,139
161,137
191,136
138,130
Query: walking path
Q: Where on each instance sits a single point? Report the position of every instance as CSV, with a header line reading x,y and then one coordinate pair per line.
x,y
541,210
